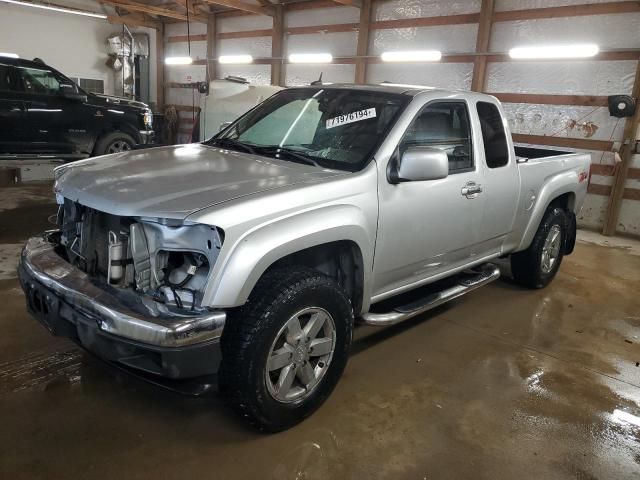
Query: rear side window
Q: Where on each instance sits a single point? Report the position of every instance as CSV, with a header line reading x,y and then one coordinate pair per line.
x,y
496,151
443,125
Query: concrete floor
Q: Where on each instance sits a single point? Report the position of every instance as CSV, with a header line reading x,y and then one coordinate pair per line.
x,y
504,383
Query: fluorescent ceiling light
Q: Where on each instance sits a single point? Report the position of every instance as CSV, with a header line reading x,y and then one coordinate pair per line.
x,y
555,51
56,9
310,58
415,56
10,55
230,59
178,60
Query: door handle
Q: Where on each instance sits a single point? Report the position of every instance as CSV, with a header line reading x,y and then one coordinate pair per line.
x,y
17,107
471,190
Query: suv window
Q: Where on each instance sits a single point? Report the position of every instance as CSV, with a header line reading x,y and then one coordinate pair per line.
x,y
443,125
41,81
496,151
9,79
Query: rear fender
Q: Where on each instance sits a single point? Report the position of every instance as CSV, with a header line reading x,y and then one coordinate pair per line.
x,y
556,186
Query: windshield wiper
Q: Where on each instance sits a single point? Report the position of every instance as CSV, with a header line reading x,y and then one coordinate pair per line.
x,y
290,154
230,143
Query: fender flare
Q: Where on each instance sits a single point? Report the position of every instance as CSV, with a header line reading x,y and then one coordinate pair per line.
x,y
253,253
555,187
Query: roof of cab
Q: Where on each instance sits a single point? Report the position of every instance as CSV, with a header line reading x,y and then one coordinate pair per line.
x,y
403,89
385,87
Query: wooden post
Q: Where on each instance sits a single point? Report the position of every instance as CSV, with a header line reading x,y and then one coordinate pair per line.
x,y
211,48
628,142
363,42
160,67
277,42
482,45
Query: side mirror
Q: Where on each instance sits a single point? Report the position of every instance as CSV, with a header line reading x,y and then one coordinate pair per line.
x,y
73,95
423,163
224,125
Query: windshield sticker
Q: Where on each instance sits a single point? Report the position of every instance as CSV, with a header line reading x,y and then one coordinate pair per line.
x,y
351,117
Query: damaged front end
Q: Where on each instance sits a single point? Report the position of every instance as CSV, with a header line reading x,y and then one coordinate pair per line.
x,y
128,289
164,259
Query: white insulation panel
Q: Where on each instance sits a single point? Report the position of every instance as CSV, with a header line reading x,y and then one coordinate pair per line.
x,y
180,49
568,78
448,39
185,73
297,74
322,16
244,23
258,47
629,220
455,76
606,31
337,44
397,9
255,74
593,123
502,5
174,29
593,211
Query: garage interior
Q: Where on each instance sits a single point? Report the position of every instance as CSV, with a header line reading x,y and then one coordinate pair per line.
x,y
503,383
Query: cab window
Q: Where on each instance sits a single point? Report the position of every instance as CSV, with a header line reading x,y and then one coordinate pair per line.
x,y
443,125
496,150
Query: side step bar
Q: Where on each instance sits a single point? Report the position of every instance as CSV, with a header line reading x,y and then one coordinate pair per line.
x,y
465,283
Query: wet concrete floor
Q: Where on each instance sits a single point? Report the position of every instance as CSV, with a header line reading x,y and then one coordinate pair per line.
x,y
504,383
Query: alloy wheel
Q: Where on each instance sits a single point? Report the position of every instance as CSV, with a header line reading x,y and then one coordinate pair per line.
x,y
300,355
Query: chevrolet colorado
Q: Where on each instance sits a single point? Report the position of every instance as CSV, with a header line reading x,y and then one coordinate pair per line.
x,y
252,254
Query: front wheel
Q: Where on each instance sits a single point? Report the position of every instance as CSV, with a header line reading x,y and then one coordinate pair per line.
x,y
536,266
284,351
114,142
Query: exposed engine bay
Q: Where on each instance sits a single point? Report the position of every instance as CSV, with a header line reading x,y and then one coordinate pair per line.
x,y
165,260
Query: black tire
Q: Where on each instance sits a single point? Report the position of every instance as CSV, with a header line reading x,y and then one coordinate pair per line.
x,y
250,333
113,142
527,266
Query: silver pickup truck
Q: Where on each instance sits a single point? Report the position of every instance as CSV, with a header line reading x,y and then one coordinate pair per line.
x,y
252,255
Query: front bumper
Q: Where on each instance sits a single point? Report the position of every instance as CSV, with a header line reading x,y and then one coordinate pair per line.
x,y
131,331
146,137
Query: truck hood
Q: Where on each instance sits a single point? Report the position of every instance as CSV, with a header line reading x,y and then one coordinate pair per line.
x,y
120,101
174,182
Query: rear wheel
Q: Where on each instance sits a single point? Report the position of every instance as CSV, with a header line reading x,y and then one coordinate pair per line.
x,y
536,266
284,351
114,142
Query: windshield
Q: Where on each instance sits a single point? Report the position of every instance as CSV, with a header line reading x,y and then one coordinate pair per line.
x,y
331,128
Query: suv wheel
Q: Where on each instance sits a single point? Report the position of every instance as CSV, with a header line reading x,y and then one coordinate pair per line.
x,y
284,351
114,142
536,266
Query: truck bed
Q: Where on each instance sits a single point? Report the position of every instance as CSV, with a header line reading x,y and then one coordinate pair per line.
x,y
534,152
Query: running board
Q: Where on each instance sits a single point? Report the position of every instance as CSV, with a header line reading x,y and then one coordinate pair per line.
x,y
466,282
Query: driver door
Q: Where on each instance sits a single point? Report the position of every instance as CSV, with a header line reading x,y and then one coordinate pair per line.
x,y
429,227
58,124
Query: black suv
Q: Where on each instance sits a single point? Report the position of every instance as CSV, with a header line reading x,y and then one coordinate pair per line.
x,y
43,113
